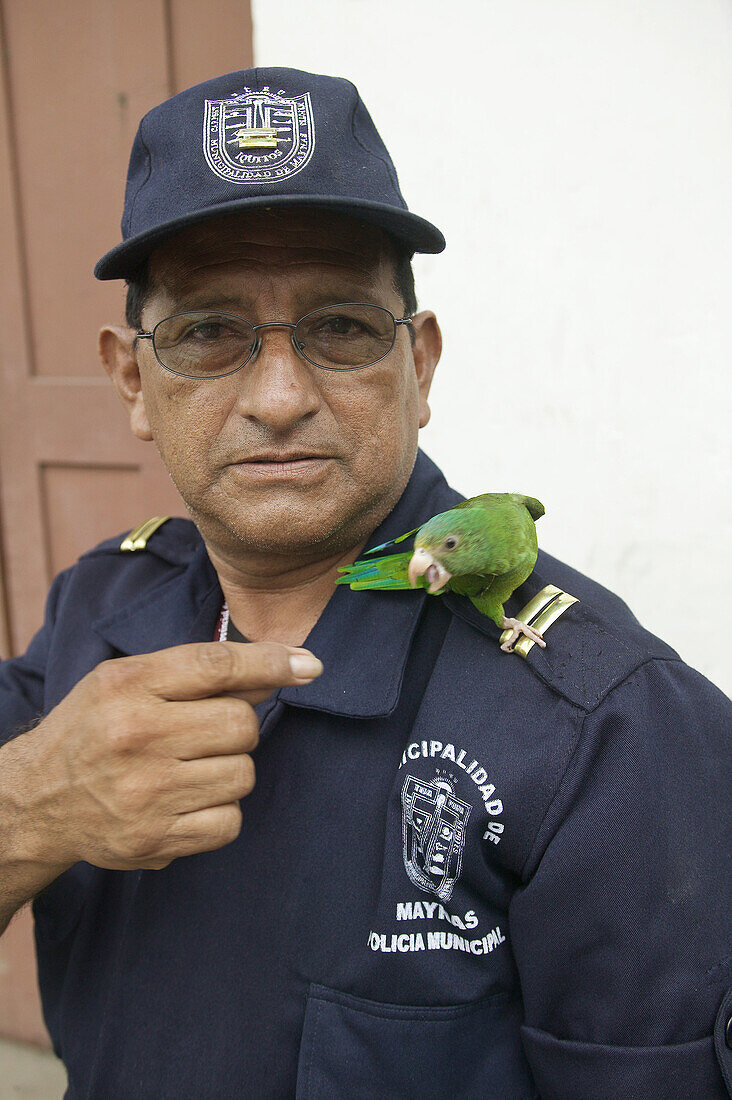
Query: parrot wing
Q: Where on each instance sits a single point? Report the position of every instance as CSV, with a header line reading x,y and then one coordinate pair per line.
x,y
506,538
534,507
389,572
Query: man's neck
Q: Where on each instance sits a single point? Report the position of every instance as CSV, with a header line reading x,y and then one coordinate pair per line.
x,y
282,606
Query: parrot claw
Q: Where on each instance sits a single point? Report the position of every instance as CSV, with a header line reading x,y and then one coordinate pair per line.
x,y
517,628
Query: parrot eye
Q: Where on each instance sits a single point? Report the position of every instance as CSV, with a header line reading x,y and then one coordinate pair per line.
x,y
451,542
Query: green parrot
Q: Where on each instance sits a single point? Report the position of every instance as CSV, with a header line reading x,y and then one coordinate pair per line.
x,y
483,548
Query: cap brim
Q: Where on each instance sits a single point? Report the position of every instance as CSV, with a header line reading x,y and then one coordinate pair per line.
x,y
420,235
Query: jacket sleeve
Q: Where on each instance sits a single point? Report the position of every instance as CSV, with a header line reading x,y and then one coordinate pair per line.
x,y
22,678
621,928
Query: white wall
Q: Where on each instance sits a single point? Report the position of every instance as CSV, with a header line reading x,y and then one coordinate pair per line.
x,y
577,154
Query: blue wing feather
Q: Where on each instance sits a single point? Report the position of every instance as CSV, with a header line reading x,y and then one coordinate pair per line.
x,y
392,542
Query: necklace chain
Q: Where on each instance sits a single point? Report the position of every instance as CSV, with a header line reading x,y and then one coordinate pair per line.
x,y
224,627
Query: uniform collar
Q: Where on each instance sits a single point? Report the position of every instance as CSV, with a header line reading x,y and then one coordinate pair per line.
x,y
363,638
183,608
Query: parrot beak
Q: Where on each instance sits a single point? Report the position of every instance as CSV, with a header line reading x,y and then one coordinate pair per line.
x,y
424,565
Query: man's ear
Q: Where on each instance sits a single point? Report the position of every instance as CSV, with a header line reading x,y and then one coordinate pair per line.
x,y
426,350
118,354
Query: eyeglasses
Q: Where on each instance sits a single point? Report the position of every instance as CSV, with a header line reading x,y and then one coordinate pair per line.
x,y
209,344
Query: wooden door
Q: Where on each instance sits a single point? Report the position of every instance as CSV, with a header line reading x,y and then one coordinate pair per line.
x,y
75,78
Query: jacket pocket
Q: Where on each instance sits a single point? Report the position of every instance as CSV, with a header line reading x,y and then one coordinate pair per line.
x,y
357,1049
568,1070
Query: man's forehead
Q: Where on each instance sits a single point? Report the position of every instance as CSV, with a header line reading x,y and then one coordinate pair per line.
x,y
286,239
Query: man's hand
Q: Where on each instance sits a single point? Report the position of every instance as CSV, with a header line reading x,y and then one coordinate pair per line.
x,y
146,758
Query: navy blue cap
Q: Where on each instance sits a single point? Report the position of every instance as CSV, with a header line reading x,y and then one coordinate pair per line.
x,y
254,139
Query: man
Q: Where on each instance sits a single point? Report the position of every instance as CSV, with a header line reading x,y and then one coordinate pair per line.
x,y
457,872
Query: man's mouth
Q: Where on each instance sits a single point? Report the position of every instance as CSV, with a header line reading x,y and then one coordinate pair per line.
x,y
282,464
424,565
281,457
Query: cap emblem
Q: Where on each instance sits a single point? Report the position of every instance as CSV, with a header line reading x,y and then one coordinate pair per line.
x,y
258,137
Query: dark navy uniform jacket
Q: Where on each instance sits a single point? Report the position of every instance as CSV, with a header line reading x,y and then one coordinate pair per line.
x,y
460,874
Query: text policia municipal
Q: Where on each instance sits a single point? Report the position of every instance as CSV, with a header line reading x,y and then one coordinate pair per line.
x,y
436,941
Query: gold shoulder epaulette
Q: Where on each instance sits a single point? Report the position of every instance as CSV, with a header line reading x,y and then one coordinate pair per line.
x,y
137,539
540,612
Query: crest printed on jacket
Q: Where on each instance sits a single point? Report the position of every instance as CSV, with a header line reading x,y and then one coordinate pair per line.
x,y
433,830
258,137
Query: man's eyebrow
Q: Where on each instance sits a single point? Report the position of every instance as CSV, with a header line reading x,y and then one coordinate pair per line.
x,y
322,296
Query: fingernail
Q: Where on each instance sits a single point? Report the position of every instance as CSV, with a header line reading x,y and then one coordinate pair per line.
x,y
304,666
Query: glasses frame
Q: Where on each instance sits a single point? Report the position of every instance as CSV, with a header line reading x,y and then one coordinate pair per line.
x,y
273,324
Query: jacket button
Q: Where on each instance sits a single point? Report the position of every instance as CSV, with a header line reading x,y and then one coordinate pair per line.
x,y
728,1034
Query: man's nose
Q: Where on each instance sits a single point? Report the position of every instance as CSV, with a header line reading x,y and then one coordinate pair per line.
x,y
277,388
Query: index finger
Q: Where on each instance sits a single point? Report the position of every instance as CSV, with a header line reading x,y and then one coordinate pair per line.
x,y
203,669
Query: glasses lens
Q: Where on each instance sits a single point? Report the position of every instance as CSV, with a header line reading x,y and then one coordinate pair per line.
x,y
203,344
345,336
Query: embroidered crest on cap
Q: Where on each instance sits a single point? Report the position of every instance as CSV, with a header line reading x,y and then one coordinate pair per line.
x,y
258,137
433,834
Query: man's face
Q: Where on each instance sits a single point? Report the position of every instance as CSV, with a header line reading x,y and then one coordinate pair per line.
x,y
283,457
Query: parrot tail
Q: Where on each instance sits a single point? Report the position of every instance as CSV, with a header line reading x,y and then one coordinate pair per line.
x,y
534,507
389,572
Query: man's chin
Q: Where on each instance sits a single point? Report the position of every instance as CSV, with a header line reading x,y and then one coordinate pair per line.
x,y
293,519
283,527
